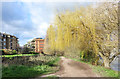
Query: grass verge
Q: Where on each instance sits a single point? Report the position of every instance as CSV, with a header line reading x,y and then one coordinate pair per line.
x,y
30,71
25,71
19,55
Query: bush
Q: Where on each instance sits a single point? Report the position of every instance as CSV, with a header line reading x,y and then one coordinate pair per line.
x,y
88,56
8,52
33,52
2,51
14,52
30,52
26,50
59,53
26,53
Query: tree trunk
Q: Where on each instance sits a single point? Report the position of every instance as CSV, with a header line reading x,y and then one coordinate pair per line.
x,y
106,62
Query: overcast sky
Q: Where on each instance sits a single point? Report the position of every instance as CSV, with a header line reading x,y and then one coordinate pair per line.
x,y
28,20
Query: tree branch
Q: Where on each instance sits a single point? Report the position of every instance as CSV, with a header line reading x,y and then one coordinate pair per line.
x,y
60,19
101,54
111,59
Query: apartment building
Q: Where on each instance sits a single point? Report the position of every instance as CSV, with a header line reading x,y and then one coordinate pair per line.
x,y
30,45
8,41
39,45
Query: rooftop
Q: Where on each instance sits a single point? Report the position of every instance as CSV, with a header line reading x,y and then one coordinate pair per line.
x,y
39,38
8,35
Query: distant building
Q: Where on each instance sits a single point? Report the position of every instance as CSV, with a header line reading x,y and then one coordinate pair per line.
x,y
8,41
30,45
39,45
36,45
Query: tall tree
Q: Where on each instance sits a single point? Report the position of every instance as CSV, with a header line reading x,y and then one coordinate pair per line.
x,y
105,16
87,29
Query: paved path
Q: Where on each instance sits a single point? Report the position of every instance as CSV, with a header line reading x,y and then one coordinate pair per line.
x,y
70,68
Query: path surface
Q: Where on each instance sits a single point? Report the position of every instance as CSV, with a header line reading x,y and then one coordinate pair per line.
x,y
70,68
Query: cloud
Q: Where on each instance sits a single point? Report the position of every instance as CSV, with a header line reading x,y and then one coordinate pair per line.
x,y
42,28
41,17
11,10
28,20
16,20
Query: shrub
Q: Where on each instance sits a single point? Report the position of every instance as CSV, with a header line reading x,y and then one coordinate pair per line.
x,y
2,51
8,52
26,50
26,53
59,53
14,52
33,52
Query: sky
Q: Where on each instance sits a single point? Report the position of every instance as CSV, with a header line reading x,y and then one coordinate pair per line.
x,y
29,20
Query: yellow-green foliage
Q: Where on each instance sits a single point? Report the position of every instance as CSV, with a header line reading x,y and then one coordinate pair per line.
x,y
51,36
85,29
72,29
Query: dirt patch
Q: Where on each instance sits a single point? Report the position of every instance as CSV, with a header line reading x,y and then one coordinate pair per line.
x,y
70,68
61,70
78,65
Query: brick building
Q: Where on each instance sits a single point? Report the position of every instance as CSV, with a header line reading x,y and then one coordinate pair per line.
x,y
8,41
39,45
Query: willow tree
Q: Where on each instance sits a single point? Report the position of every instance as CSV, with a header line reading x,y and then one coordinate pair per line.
x,y
72,30
87,29
106,18
50,39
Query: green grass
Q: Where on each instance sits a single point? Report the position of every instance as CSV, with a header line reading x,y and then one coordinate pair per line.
x,y
52,77
54,62
29,71
18,55
25,71
104,72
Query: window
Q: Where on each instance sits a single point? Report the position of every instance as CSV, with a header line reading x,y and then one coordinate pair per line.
x,y
4,35
41,41
4,43
10,37
4,39
11,44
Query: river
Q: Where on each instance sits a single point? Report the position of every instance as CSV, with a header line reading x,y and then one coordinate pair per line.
x,y
115,65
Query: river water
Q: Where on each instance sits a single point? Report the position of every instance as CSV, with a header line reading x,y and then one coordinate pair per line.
x,y
115,65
